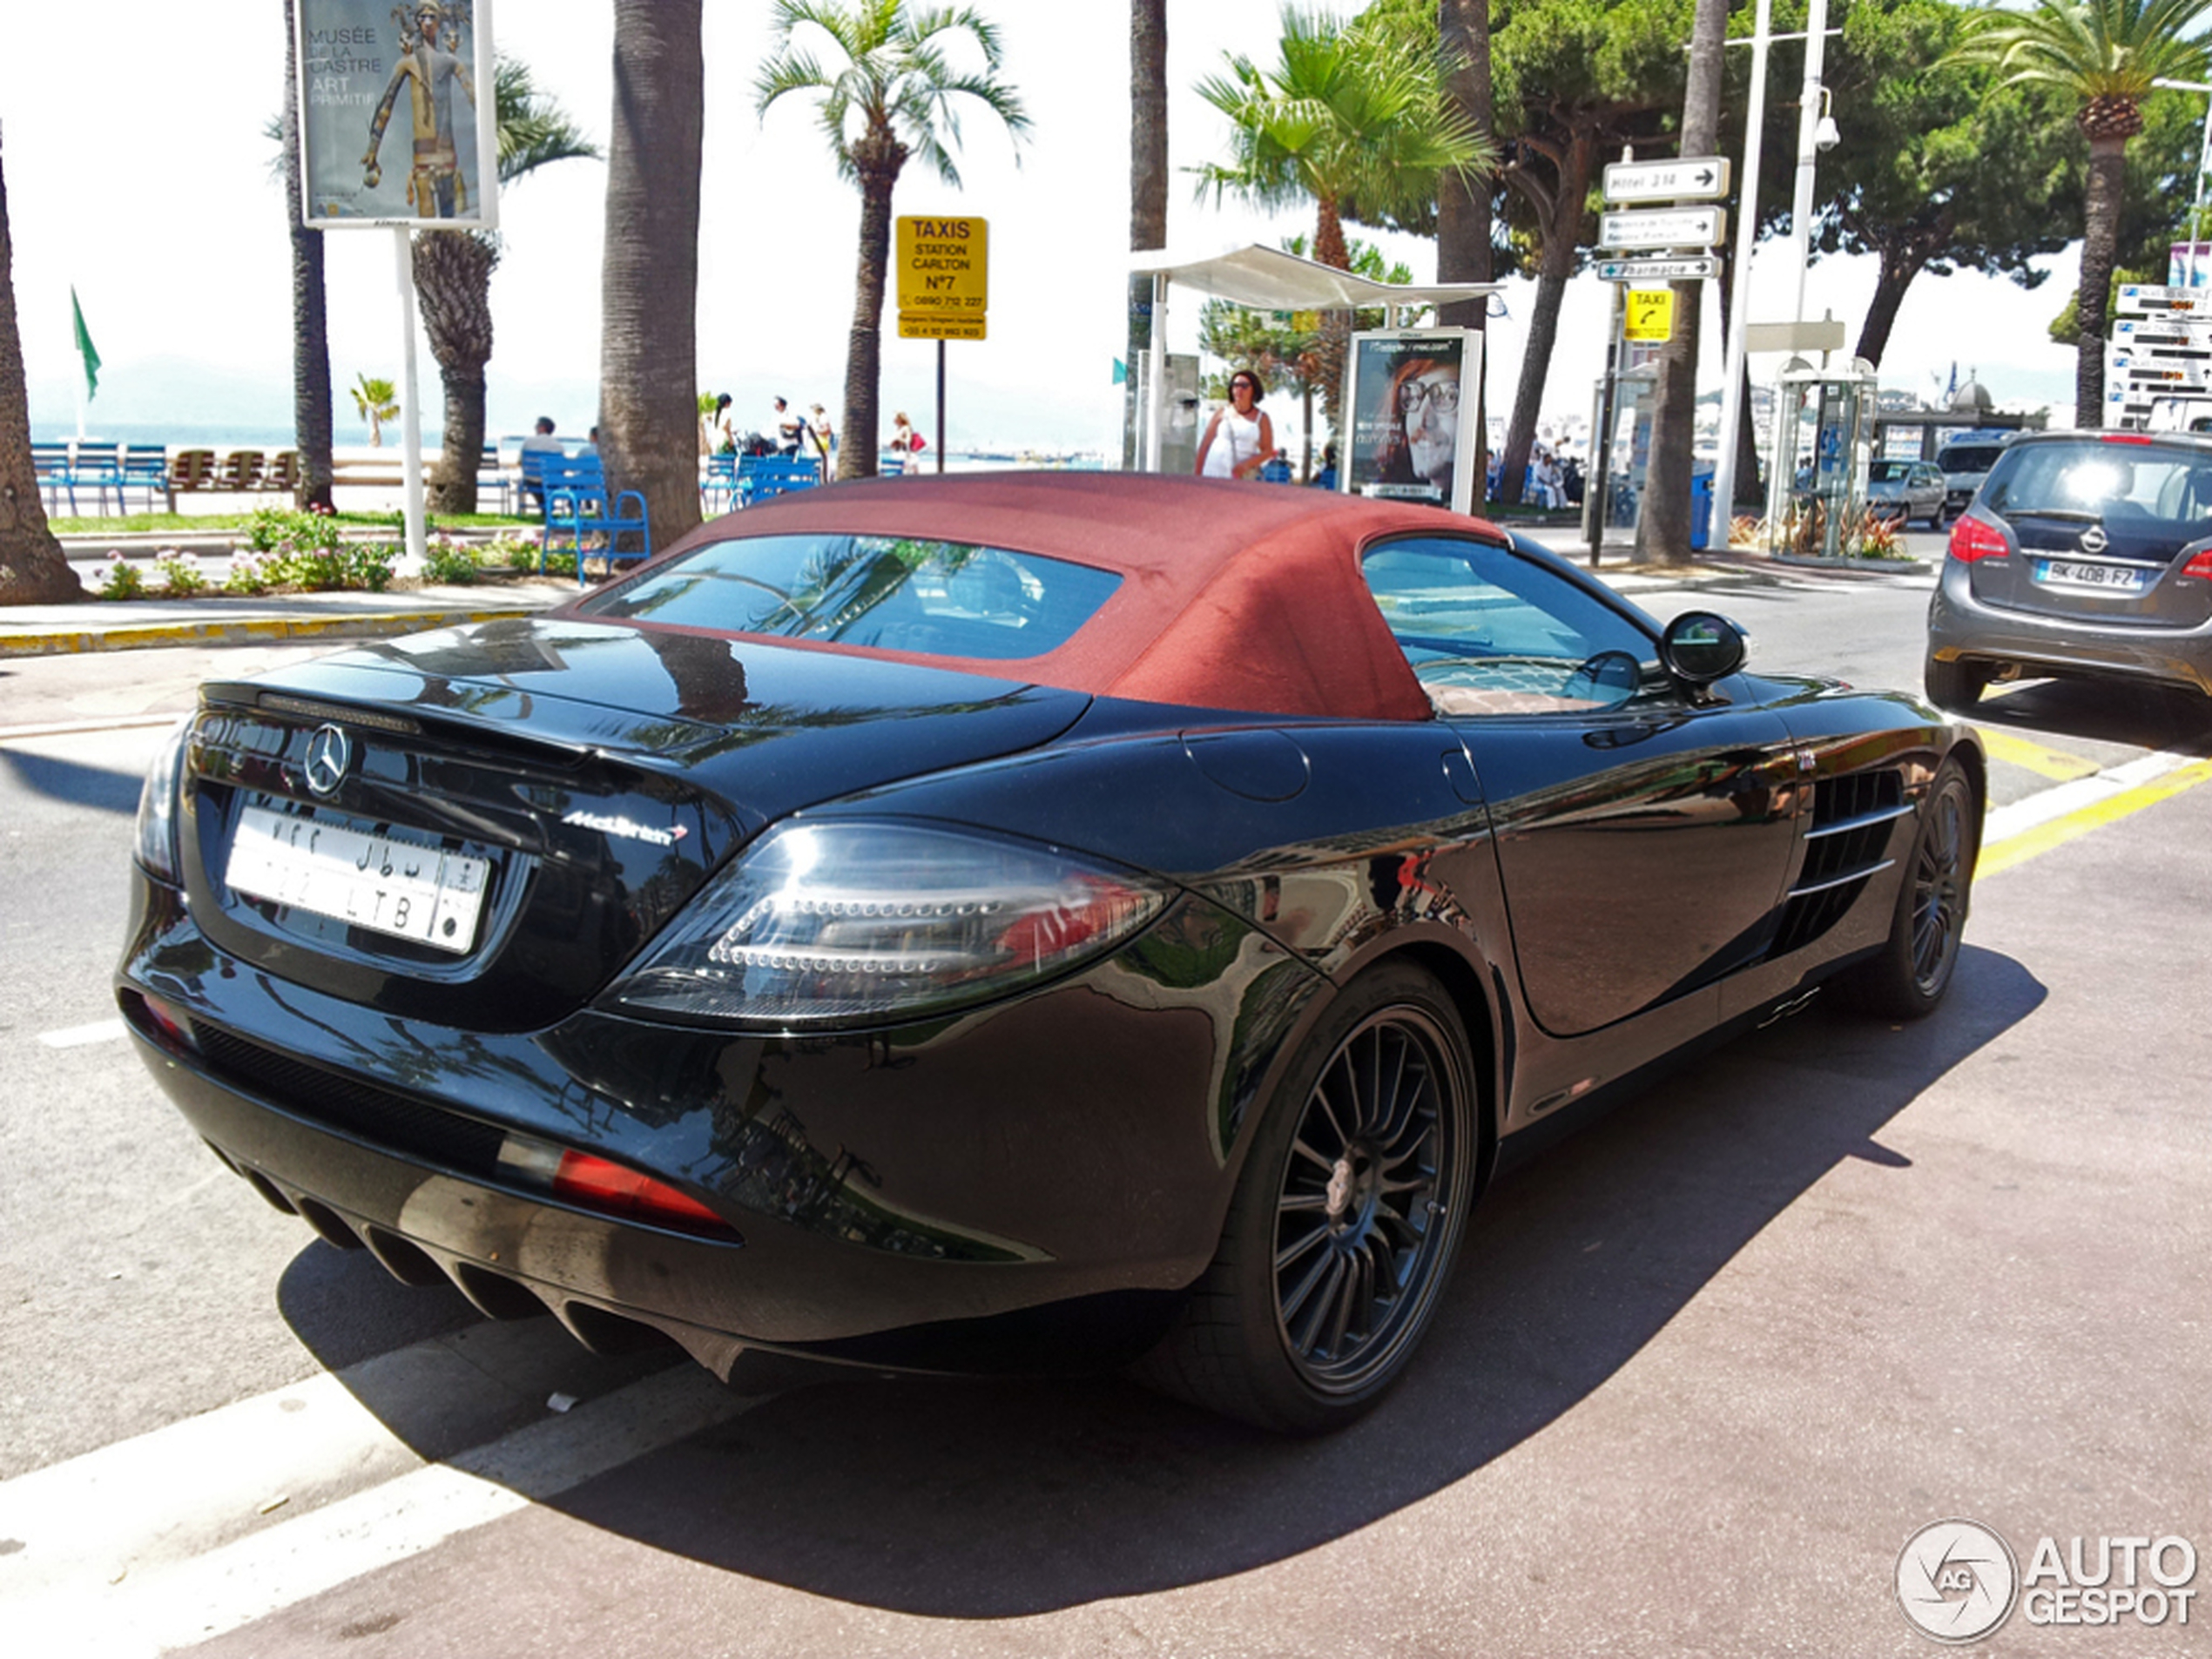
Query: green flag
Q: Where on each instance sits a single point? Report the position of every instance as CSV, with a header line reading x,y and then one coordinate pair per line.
x,y
84,346
1121,371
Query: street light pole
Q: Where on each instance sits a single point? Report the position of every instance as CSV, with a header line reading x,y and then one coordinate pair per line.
x,y
1808,146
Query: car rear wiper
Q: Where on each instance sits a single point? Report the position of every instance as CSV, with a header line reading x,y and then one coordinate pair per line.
x,y
2072,515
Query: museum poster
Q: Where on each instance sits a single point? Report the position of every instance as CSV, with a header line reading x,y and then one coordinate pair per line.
x,y
1403,390
390,126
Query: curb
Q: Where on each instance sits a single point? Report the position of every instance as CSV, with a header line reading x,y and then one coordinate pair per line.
x,y
258,631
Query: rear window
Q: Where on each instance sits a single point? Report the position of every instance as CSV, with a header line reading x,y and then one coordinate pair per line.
x,y
893,593
2111,480
1970,457
1889,472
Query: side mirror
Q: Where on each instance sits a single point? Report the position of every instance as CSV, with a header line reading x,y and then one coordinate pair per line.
x,y
1700,647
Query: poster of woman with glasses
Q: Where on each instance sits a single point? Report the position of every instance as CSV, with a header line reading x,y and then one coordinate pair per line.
x,y
1407,440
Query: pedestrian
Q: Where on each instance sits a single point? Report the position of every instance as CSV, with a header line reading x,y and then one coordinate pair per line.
x,y
716,435
541,443
902,433
788,429
1326,478
821,436
1239,438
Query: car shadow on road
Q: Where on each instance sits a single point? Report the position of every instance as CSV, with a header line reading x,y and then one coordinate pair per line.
x,y
73,782
992,1499
2152,717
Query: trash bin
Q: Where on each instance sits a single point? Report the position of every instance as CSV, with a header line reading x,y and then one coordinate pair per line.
x,y
1700,510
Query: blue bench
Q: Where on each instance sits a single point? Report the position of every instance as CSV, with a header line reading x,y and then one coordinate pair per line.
x,y
718,482
579,507
761,476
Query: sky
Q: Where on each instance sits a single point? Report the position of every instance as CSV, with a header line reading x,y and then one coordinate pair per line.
x,y
141,176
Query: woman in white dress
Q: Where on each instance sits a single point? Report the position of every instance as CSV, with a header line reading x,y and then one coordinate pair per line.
x,y
1240,438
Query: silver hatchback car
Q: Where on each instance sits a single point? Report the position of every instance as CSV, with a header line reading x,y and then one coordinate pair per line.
x,y
1905,491
2086,553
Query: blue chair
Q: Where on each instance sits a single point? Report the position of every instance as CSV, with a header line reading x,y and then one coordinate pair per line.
x,y
98,468
718,483
1275,471
890,466
50,462
146,466
761,476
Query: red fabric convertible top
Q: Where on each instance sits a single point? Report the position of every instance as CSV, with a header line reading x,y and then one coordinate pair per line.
x,y
1234,595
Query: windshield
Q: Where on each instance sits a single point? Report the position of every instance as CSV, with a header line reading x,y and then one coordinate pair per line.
x,y
1970,457
893,593
2109,481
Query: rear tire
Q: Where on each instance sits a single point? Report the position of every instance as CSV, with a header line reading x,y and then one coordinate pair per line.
x,y
1907,979
1345,1221
1954,684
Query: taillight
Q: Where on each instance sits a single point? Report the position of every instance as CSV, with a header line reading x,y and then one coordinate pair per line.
x,y
1973,539
156,835
849,921
2124,437
2200,564
591,1183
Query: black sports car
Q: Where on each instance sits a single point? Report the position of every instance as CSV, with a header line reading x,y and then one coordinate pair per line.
x,y
1026,920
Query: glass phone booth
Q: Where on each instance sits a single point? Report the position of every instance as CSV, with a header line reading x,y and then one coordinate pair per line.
x,y
1817,469
1613,486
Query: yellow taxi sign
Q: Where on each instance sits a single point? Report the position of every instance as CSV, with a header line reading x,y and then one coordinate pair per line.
x,y
944,268
1651,315
932,325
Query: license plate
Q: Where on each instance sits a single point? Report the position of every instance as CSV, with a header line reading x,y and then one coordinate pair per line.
x,y
381,880
2108,578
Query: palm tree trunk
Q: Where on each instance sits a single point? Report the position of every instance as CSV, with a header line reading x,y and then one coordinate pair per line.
x,y
32,568
2100,240
878,163
1334,343
452,288
314,412
1148,191
1663,527
649,280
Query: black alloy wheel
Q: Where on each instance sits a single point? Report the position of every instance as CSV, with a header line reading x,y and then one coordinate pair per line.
x,y
1908,978
1357,1226
1346,1220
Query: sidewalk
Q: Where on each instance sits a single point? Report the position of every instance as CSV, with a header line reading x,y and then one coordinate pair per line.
x,y
140,624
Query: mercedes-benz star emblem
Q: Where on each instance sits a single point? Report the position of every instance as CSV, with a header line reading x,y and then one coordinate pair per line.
x,y
329,754
2092,539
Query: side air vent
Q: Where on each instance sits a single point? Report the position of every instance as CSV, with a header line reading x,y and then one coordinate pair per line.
x,y
1852,816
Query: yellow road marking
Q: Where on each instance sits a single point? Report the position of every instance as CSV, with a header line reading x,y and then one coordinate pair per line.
x,y
2018,849
2033,756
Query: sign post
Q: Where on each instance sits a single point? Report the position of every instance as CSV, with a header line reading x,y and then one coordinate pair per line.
x,y
396,129
944,287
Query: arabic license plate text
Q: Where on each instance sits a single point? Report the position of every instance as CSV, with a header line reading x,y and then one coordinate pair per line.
x,y
381,881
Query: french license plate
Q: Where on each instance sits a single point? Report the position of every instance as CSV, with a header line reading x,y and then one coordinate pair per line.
x,y
383,880
2108,578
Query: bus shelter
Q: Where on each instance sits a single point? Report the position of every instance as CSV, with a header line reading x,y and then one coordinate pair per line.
x,y
1265,279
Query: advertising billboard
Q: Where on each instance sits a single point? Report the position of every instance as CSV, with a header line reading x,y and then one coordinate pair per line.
x,y
396,120
1403,399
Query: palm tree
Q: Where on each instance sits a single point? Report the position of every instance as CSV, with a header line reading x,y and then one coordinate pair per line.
x,y
2107,53
452,279
1352,118
32,569
650,263
1148,188
312,414
891,94
378,401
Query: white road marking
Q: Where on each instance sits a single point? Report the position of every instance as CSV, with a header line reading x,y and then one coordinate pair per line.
x,y
171,1538
2046,805
76,1036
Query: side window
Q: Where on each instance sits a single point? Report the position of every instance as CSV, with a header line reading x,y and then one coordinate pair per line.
x,y
1487,631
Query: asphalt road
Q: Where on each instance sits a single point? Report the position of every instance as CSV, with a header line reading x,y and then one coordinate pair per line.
x,y
1710,1359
